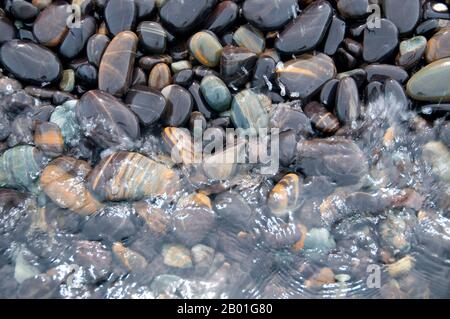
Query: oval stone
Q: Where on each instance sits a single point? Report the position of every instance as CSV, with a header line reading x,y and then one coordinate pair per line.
x,y
50,26
120,15
160,76
223,16
116,67
269,15
179,105
305,76
95,48
107,120
380,43
307,30
247,112
348,106
251,38
431,82
76,39
335,36
216,93
148,104
184,16
152,37
438,46
404,14
206,48
30,62
354,9
8,30
411,51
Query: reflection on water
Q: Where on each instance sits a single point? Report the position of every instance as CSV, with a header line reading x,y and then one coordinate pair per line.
x,y
367,222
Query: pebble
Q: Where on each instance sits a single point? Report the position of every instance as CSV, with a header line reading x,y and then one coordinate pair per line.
x,y
235,65
247,112
348,106
48,137
106,119
116,66
65,117
395,12
152,37
269,15
30,62
95,48
305,76
206,48
184,16
160,77
306,32
8,30
438,47
250,38
286,196
76,39
50,27
216,93
179,105
354,9
322,119
146,178
148,104
411,52
381,72
67,83
193,218
429,83
380,43
120,15
223,17
335,36
177,256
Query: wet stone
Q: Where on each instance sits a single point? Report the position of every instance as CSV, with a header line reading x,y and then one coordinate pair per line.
x,y
50,26
380,43
148,104
184,16
145,8
64,116
344,163
335,36
264,72
63,181
76,39
95,48
321,118
24,10
328,93
67,80
311,24
438,46
8,30
120,15
354,9
152,37
30,62
21,131
347,101
269,15
286,197
223,17
48,137
430,82
411,52
247,112
87,76
184,78
116,66
305,76
107,120
236,65
160,77
179,105
250,38
147,178
216,93
405,14
379,72
193,218
206,48
177,256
